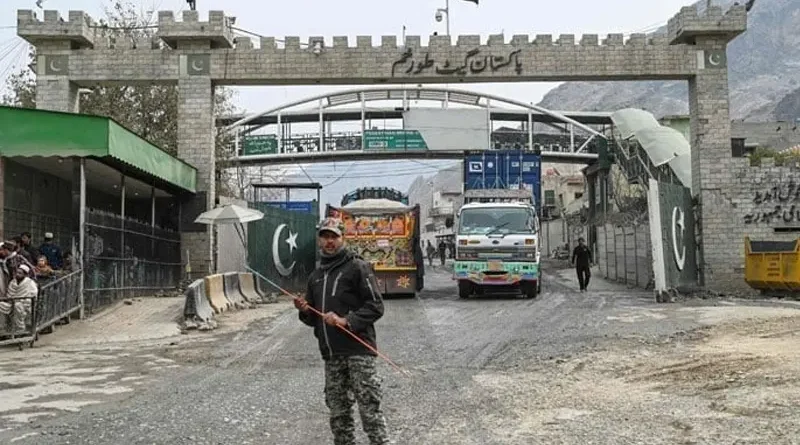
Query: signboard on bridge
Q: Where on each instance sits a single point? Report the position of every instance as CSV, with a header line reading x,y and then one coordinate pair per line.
x,y
394,140
294,206
263,144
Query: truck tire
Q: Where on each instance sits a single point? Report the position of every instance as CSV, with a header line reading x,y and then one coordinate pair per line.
x,y
529,290
464,289
539,285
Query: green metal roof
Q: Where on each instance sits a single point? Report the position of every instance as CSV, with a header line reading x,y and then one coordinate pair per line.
x,y
27,132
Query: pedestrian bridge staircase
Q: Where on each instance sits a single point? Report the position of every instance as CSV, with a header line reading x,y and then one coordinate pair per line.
x,y
644,149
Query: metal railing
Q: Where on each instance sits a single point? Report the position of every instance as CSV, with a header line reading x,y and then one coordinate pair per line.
x,y
57,299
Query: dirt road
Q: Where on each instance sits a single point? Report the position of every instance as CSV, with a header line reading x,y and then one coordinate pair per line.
x,y
606,367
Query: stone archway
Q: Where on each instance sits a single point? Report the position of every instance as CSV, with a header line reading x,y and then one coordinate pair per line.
x,y
196,56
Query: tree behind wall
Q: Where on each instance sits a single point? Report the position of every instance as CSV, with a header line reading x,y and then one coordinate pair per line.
x,y
150,111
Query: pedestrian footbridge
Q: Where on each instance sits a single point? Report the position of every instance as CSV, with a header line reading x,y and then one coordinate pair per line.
x,y
388,123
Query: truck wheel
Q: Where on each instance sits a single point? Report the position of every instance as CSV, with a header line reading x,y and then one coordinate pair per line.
x,y
529,290
464,289
539,285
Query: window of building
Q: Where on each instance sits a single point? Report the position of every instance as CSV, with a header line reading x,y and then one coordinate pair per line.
x,y
549,197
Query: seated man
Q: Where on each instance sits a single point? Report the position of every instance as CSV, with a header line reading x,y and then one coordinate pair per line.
x,y
16,306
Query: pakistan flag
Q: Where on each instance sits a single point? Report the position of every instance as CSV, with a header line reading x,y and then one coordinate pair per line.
x,y
282,246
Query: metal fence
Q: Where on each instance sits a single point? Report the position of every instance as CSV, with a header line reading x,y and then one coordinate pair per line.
x,y
16,221
126,258
57,299
623,254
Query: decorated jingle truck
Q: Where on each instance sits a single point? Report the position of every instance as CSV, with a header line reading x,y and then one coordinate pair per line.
x,y
497,243
386,233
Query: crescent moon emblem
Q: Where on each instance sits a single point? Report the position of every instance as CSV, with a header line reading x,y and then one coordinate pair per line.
x,y
714,59
53,66
195,67
680,257
284,271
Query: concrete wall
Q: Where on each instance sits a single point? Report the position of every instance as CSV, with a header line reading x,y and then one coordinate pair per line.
x,y
553,235
776,135
543,58
231,256
623,254
759,201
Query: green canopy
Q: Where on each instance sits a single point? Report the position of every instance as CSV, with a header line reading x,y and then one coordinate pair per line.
x,y
28,133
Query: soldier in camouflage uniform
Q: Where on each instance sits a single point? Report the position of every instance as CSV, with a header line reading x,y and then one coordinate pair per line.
x,y
345,290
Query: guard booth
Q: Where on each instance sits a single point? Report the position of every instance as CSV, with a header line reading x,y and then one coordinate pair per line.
x,y
111,199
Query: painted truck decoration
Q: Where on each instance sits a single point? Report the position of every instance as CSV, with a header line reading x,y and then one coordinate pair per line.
x,y
497,233
385,233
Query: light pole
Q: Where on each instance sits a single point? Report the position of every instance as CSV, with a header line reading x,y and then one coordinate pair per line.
x,y
446,11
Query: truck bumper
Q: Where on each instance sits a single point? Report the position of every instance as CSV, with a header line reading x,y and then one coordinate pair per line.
x,y
495,274
390,283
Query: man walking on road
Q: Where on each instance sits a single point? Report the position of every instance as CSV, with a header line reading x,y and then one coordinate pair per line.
x,y
583,264
345,290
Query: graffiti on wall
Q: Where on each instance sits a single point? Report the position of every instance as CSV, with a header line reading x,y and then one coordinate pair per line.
x,y
777,204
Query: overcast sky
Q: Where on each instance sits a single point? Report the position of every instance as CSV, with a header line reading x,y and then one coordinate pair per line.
x,y
329,18
382,17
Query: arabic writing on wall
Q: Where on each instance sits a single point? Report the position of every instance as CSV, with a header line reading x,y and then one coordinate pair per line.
x,y
779,204
473,63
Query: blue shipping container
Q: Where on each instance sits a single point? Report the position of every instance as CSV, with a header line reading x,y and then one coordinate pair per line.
x,y
504,169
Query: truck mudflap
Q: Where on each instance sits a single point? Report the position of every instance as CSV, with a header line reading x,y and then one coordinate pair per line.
x,y
397,282
495,273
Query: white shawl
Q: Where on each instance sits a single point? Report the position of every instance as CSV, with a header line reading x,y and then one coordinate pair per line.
x,y
22,289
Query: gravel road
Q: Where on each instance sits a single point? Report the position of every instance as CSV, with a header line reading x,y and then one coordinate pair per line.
x,y
604,367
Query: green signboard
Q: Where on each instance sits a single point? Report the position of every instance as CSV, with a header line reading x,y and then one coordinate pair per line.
x,y
266,144
394,140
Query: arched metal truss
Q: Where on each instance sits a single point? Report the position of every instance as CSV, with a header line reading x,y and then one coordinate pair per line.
x,y
407,94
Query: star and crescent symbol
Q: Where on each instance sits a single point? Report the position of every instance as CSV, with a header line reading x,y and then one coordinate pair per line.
x,y
291,240
678,221
198,64
56,65
715,59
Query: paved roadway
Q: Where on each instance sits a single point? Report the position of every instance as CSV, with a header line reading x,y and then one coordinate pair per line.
x,y
264,385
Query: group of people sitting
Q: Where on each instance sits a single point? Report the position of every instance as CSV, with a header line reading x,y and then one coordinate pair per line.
x,y
22,269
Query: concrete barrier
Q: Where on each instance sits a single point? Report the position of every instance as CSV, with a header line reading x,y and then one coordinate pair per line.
x,y
232,292
247,286
215,291
197,310
267,296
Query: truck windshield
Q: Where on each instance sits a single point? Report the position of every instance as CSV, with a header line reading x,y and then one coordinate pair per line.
x,y
502,221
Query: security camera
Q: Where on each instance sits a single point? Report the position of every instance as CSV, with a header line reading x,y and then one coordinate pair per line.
x,y
438,16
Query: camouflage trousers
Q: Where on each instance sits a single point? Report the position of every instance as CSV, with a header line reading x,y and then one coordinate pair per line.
x,y
351,379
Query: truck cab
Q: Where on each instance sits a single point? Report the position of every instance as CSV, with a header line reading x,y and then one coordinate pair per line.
x,y
497,245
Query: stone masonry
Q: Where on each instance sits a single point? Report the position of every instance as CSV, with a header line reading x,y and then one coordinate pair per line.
x,y
198,55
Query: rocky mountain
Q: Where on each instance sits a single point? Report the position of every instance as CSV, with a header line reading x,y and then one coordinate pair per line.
x,y
764,73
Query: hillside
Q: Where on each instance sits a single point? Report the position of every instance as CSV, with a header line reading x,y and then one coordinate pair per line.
x,y
764,76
